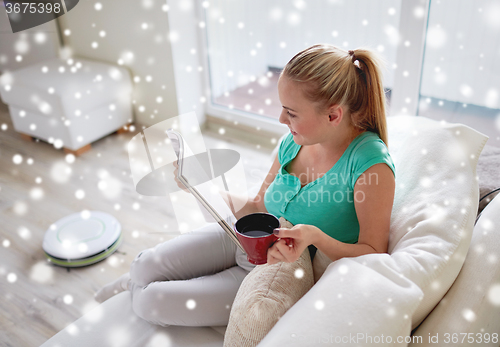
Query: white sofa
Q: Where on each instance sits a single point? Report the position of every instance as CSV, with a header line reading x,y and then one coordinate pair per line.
x,y
439,284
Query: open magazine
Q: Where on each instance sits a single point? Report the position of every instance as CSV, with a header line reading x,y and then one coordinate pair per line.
x,y
180,150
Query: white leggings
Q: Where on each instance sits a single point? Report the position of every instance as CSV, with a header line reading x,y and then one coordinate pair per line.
x,y
190,280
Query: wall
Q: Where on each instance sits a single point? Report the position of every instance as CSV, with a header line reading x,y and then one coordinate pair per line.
x,y
33,45
138,33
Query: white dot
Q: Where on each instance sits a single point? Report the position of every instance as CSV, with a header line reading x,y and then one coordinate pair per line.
x,y
79,194
70,158
392,11
11,278
137,79
62,69
58,143
102,185
85,214
98,6
30,161
159,99
494,294
51,90
149,78
4,126
418,12
102,33
190,304
68,299
135,234
136,206
17,159
469,315
24,233
20,208
40,37
45,69
299,273
319,305
36,193
173,36
95,45
343,269
222,131
144,26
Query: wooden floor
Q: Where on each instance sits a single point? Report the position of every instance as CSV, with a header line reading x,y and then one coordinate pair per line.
x,y
37,298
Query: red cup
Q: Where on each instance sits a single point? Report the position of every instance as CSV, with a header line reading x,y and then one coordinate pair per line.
x,y
255,233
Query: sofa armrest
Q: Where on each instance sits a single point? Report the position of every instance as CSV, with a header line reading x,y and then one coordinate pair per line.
x,y
362,300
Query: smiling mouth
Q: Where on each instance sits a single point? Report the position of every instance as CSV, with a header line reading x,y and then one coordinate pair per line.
x,y
293,132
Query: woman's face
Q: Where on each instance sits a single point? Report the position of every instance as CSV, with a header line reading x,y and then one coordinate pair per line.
x,y
300,114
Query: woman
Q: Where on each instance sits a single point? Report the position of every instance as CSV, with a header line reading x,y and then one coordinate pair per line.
x,y
333,178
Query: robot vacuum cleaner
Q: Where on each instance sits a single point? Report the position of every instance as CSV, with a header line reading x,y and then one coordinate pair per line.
x,y
81,239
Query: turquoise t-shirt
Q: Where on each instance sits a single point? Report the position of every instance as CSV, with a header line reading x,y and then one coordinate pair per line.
x,y
327,202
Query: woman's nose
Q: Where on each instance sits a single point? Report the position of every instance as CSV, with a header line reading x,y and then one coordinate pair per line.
x,y
283,119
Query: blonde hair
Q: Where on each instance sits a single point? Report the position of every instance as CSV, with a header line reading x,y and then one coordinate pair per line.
x,y
352,79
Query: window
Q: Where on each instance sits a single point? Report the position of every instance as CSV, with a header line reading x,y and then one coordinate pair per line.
x,y
440,54
460,79
249,42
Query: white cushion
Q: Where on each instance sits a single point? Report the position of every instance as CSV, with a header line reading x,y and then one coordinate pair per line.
x,y
431,225
472,305
436,202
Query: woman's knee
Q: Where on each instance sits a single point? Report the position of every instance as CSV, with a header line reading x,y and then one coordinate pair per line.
x,y
149,304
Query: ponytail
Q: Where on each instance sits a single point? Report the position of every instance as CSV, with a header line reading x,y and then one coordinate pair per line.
x,y
373,116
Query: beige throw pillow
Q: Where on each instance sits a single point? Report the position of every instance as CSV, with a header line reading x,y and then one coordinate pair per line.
x,y
264,296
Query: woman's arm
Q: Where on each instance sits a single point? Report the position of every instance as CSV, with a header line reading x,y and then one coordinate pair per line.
x,y
373,200
250,205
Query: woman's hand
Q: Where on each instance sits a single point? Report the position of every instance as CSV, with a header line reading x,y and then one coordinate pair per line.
x,y
179,183
291,243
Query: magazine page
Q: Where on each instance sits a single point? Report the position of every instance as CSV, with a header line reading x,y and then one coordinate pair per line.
x,y
197,172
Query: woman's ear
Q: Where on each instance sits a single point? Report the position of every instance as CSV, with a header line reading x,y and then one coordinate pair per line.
x,y
335,114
